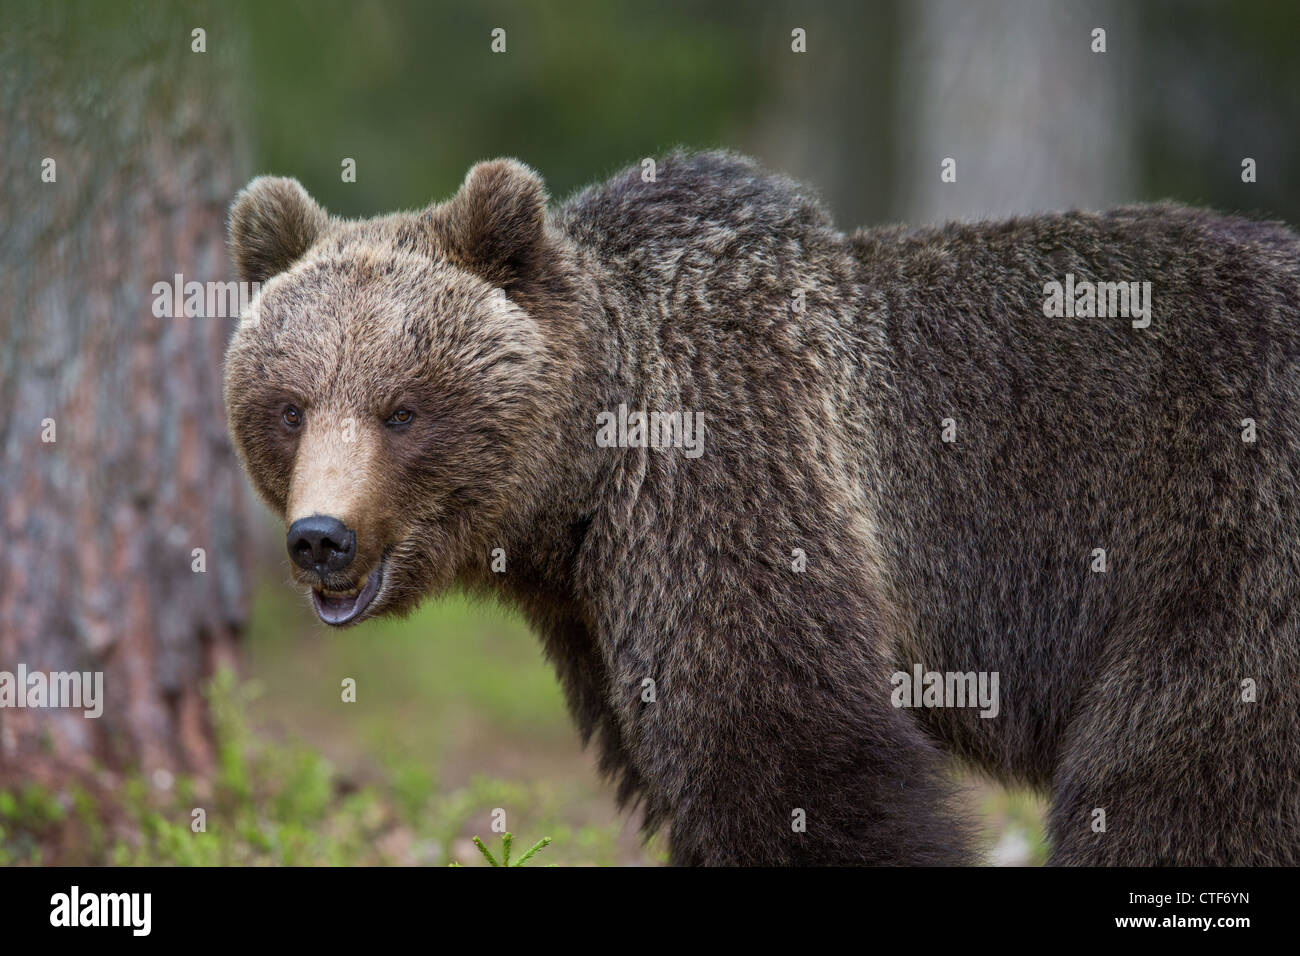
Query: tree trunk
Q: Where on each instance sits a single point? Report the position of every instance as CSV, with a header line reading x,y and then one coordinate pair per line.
x,y
98,568
1012,91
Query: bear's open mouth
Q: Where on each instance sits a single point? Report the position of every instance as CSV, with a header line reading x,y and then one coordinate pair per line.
x,y
343,607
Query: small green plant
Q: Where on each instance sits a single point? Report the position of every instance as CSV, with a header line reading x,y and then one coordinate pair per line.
x,y
506,842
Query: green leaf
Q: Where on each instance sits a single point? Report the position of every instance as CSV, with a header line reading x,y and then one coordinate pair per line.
x,y
544,841
482,848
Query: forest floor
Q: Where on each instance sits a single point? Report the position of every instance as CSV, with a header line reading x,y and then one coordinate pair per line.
x,y
395,742
461,688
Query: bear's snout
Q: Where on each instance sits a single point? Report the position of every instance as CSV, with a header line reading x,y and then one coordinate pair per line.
x,y
321,543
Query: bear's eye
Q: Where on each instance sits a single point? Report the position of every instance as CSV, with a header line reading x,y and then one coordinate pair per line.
x,y
292,416
399,418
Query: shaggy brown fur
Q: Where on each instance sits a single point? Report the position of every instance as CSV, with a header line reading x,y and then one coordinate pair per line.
x,y
507,330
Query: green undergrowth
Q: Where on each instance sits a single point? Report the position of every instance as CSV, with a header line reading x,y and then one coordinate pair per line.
x,y
277,802
273,802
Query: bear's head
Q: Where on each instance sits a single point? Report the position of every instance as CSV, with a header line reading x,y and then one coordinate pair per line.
x,y
393,387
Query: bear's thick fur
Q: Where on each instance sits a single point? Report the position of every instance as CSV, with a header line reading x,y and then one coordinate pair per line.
x,y
905,462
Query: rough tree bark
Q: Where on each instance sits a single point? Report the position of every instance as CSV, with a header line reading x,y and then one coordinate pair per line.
x,y
97,567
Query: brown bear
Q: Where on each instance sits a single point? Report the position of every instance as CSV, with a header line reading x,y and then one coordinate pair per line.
x,y
782,502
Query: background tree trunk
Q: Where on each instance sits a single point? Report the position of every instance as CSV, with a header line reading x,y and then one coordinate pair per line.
x,y
1012,90
96,571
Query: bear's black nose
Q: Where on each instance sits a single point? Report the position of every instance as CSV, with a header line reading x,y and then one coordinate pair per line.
x,y
322,544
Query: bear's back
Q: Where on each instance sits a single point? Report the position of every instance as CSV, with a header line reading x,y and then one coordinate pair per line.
x,y
717,203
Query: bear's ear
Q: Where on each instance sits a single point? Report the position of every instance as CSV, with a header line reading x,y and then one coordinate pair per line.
x,y
495,225
272,223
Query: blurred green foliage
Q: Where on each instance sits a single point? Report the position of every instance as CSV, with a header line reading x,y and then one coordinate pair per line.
x,y
1217,82
414,93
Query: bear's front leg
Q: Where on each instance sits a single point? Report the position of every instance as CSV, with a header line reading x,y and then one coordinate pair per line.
x,y
776,744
